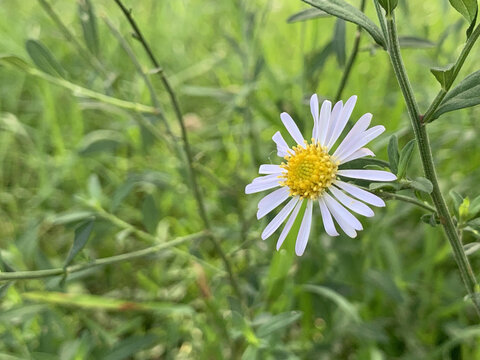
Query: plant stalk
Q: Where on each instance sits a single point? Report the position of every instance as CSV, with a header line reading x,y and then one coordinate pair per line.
x,y
421,136
186,144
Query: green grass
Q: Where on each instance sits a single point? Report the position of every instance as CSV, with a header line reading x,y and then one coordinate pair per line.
x,y
394,292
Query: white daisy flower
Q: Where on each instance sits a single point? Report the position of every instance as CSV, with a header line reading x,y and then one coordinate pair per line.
x,y
310,173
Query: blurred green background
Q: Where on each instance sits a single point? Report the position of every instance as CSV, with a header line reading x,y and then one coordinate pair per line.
x,y
392,293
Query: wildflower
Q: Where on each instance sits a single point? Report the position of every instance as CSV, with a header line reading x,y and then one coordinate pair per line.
x,y
311,173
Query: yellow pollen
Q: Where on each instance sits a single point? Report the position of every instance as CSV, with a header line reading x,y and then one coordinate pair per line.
x,y
310,170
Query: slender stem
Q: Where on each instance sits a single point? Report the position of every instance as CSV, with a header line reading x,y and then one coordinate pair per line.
x,y
428,117
351,59
186,144
36,274
408,199
428,165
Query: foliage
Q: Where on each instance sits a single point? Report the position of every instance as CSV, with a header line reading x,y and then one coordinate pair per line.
x,y
90,170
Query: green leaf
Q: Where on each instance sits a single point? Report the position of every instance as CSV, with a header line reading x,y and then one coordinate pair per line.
x,y
475,206
457,200
393,154
388,5
150,214
307,14
43,58
468,9
405,156
278,322
89,25
100,141
4,288
412,42
338,42
444,75
430,219
82,233
422,184
384,185
465,94
471,248
347,307
345,11
126,348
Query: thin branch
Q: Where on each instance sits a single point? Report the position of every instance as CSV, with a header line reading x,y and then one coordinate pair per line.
x,y
186,144
408,199
37,274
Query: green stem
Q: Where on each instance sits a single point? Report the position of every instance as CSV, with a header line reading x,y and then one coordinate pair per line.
x,y
428,117
421,136
36,274
408,199
351,59
186,144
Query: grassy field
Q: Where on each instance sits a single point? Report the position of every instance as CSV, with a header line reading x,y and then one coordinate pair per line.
x,y
91,150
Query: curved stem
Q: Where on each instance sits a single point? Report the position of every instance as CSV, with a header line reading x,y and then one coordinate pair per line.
x,y
456,69
37,274
186,144
351,59
428,166
408,199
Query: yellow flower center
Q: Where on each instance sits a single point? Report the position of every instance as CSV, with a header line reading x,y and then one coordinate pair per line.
x,y
310,170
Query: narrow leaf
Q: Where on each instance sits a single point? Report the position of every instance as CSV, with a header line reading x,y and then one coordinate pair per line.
x,y
339,42
388,5
465,94
393,154
422,184
468,8
278,322
307,14
345,11
444,75
82,233
89,25
405,156
43,58
150,214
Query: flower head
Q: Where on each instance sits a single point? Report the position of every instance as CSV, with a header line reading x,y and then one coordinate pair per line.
x,y
311,173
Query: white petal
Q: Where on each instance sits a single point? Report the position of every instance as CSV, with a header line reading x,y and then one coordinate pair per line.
x,y
360,126
327,219
323,122
258,186
336,207
351,203
357,155
270,169
314,111
289,224
292,128
265,178
282,146
361,194
375,175
342,120
339,215
272,200
361,140
337,109
304,232
279,219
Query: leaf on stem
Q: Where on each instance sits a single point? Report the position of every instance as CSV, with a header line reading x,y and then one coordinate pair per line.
x,y
82,233
89,26
468,9
388,5
345,11
413,42
393,154
404,159
307,14
422,184
465,94
43,58
444,75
